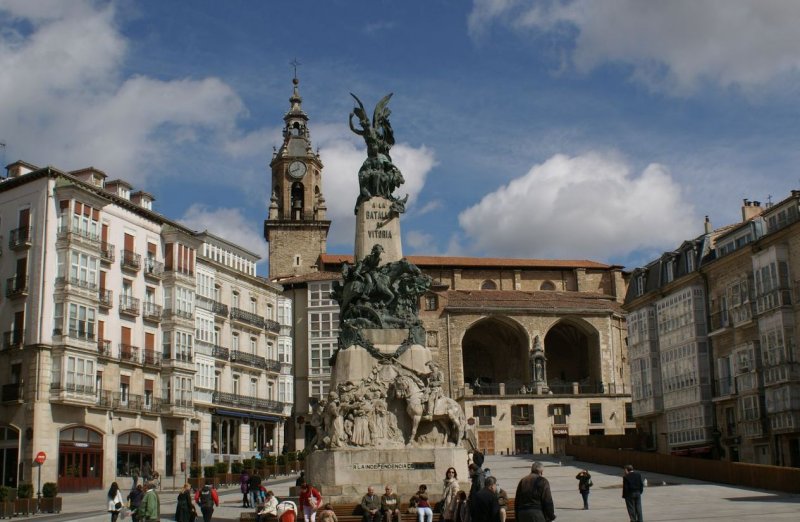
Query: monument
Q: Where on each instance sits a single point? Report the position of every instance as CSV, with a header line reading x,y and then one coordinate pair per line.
x,y
386,419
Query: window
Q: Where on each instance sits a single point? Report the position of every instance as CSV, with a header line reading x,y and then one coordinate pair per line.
x,y
559,412
58,319
235,387
134,450
184,301
183,346
484,414
253,345
629,412
522,414
270,391
669,270
285,390
319,294
81,322
320,389
320,356
83,270
235,299
548,286
124,389
235,341
488,285
253,387
324,324
285,312
689,261
285,351
253,305
596,413
431,302
640,284
80,374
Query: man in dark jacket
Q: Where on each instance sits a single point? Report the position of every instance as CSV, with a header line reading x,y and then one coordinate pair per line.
x,y
483,507
255,490
632,489
533,501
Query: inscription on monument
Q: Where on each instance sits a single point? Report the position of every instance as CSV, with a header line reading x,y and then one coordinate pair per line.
x,y
395,465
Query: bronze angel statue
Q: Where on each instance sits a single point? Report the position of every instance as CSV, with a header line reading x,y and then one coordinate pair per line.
x,y
378,176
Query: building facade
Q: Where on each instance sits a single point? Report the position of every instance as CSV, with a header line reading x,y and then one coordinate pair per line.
x,y
114,341
740,359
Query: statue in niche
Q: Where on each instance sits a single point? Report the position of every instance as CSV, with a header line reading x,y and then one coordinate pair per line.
x,y
378,176
537,361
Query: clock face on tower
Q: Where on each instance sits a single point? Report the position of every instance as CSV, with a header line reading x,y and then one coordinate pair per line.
x,y
297,169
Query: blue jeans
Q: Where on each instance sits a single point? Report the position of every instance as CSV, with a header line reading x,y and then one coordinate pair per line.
x,y
585,495
424,514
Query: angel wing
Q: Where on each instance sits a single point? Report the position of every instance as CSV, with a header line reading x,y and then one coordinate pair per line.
x,y
359,111
382,112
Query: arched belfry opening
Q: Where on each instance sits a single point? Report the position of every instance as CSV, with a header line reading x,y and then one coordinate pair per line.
x,y
298,196
572,348
495,350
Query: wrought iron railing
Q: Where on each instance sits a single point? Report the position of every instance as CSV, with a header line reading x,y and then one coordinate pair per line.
x,y
19,238
238,314
131,260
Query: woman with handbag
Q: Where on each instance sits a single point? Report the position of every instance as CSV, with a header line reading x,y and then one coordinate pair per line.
x,y
184,511
114,501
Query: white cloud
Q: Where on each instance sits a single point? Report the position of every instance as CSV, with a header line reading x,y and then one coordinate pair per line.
x,y
429,207
342,156
65,102
229,224
587,206
420,242
670,45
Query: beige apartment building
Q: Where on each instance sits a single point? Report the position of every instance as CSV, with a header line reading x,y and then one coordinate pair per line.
x,y
734,362
130,342
487,322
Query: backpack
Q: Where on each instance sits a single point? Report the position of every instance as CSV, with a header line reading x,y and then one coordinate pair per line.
x,y
206,500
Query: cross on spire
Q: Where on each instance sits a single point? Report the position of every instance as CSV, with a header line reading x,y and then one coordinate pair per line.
x,y
294,63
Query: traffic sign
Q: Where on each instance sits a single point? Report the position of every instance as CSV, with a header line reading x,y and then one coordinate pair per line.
x,y
40,458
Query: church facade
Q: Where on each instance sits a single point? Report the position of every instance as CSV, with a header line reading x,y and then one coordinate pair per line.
x,y
534,350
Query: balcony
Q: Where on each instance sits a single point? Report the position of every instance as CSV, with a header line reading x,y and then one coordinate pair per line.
x,y
73,393
130,261
248,359
719,320
220,309
648,406
272,326
153,269
106,252
521,421
773,299
179,359
104,348
80,334
725,387
273,366
16,287
237,314
246,402
177,407
20,238
211,305
177,312
151,311
128,353
151,358
13,339
106,298
220,353
781,373
126,402
128,305
12,393
74,234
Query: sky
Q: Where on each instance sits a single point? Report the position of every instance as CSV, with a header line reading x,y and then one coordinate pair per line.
x,y
535,129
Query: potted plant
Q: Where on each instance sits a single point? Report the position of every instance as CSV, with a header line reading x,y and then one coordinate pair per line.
x,y
6,502
291,461
25,503
281,465
209,473
269,463
50,502
222,472
248,465
236,467
194,476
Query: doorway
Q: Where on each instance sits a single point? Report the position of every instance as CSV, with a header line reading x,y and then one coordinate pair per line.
x,y
523,442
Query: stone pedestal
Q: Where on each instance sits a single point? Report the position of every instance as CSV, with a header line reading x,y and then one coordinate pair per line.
x,y
355,362
375,226
344,475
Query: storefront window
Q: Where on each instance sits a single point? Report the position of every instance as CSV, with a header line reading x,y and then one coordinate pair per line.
x,y
134,454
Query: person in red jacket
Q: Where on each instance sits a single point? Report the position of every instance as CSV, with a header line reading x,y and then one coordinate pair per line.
x,y
207,498
310,500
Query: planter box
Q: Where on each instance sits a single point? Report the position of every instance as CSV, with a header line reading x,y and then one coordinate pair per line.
x,y
25,506
211,481
196,483
7,509
50,505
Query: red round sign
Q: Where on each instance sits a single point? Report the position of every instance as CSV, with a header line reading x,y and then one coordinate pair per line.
x,y
40,457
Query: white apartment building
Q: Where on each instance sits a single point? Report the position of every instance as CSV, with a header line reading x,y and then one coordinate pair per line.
x,y
129,341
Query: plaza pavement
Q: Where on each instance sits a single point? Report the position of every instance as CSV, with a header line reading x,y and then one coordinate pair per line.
x,y
667,498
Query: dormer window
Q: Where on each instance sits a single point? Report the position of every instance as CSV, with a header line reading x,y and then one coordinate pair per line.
x,y
639,285
689,261
669,271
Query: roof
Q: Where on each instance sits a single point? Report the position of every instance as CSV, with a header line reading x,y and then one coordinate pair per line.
x,y
306,278
481,262
536,300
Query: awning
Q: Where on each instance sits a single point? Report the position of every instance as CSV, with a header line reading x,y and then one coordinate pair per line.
x,y
245,415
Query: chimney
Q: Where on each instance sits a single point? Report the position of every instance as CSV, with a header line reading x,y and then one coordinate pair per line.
x,y
707,225
750,209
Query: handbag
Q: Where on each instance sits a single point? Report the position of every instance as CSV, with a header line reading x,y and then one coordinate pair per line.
x,y
118,506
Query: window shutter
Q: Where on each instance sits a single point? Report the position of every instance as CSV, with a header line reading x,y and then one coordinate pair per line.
x,y
494,411
63,204
125,379
148,385
530,412
550,408
475,411
567,410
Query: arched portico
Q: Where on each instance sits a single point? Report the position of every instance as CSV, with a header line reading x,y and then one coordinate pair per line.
x,y
572,348
495,349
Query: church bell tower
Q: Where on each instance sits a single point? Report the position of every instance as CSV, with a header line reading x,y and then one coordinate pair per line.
x,y
296,227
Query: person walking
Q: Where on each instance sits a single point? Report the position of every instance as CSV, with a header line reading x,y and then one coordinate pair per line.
x,y
135,500
584,483
450,494
244,486
483,506
114,501
184,510
533,501
310,499
255,489
632,489
150,508
371,506
207,499
424,511
390,506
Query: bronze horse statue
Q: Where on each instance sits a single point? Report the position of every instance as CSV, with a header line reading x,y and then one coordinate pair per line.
x,y
446,412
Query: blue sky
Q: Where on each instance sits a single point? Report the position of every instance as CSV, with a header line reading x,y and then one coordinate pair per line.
x,y
579,129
